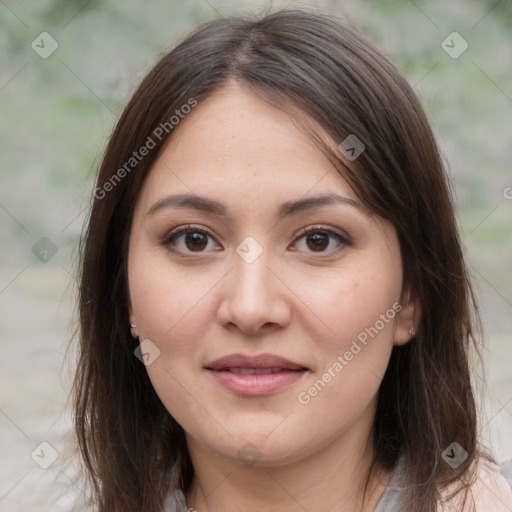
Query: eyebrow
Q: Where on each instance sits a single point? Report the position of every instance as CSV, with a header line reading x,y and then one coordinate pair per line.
x,y
286,209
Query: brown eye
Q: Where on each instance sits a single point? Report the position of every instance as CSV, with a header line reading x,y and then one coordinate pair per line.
x,y
196,241
189,239
320,240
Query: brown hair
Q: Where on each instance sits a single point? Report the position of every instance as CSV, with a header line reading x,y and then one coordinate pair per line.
x,y
324,69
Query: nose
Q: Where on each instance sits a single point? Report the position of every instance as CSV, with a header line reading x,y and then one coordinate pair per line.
x,y
254,299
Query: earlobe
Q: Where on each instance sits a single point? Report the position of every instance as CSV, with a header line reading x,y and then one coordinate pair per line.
x,y
133,324
408,319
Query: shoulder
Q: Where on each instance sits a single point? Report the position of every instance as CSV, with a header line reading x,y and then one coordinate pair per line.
x,y
490,491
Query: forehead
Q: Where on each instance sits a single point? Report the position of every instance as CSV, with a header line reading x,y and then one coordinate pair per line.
x,y
236,145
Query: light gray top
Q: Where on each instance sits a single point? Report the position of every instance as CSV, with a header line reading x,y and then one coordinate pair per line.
x,y
176,501
389,501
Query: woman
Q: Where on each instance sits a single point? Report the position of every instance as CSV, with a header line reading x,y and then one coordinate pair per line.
x,y
275,312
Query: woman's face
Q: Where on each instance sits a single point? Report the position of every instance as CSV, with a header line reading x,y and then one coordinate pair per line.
x,y
266,342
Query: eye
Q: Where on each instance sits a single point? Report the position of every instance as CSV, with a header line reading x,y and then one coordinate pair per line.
x,y
320,239
189,239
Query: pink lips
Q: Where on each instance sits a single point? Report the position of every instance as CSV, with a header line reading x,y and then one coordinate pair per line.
x,y
255,375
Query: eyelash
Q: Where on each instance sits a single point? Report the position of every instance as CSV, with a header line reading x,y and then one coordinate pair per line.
x,y
303,232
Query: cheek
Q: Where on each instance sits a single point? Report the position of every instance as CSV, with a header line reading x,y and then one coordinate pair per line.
x,y
164,301
170,310
353,358
358,313
352,301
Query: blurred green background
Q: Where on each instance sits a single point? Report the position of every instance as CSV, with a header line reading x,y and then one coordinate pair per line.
x,y
57,112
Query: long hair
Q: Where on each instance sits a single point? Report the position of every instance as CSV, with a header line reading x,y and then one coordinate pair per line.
x,y
324,73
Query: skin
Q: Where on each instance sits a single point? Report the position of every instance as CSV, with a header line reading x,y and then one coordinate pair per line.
x,y
294,300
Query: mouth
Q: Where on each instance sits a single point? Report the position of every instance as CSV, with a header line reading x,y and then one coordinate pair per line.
x,y
254,371
255,375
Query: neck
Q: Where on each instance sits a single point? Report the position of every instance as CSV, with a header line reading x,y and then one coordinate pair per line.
x,y
332,478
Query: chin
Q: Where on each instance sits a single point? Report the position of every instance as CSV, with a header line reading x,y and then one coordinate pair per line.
x,y
261,451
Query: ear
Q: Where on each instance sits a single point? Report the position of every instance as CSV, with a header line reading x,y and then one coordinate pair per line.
x,y
133,323
408,318
131,316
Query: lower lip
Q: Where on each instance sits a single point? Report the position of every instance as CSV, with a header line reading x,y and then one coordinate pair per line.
x,y
254,385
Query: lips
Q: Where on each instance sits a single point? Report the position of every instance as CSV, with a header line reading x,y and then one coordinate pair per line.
x,y
262,361
255,371
255,375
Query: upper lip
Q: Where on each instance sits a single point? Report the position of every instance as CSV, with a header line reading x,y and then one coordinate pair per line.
x,y
257,361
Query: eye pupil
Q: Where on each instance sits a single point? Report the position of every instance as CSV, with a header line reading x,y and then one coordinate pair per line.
x,y
319,240
196,241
